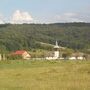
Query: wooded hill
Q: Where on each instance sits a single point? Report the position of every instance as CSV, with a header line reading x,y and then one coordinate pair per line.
x,y
29,36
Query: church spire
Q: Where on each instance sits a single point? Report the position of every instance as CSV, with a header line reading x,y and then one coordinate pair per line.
x,y
56,45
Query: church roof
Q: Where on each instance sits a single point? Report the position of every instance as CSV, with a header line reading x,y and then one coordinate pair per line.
x,y
56,46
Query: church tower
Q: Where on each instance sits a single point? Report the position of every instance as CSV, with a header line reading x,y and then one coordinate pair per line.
x,y
56,51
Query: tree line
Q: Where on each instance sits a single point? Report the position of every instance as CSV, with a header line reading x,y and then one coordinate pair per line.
x,y
30,36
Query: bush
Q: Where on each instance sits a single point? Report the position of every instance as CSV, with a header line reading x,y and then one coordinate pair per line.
x,y
14,57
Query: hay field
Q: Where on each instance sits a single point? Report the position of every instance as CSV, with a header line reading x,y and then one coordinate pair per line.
x,y
44,75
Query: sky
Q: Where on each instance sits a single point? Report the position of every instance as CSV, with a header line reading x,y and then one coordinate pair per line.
x,y
44,11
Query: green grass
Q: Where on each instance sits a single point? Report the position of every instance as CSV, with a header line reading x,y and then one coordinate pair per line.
x,y
45,75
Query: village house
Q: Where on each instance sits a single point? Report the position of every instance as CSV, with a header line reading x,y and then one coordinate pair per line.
x,y
24,54
77,56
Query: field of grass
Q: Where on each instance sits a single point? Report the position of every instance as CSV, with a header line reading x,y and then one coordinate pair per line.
x,y
44,75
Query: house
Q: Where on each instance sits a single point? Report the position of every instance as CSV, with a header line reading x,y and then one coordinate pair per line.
x,y
72,58
77,56
24,54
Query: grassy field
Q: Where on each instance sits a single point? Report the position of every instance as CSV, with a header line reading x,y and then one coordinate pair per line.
x,y
44,75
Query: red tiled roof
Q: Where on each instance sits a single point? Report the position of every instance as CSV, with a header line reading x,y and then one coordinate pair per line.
x,y
19,52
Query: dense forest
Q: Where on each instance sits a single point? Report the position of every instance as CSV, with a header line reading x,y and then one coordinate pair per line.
x,y
29,36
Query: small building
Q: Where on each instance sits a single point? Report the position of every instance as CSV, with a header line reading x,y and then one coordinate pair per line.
x,y
24,54
72,58
77,56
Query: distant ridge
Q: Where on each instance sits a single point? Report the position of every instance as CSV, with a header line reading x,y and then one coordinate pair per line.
x,y
26,36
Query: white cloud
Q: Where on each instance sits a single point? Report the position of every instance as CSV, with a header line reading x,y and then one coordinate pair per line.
x,y
20,17
1,19
68,17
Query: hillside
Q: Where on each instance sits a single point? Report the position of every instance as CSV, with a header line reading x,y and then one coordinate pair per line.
x,y
28,36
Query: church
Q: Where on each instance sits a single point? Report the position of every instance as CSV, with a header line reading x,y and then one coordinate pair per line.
x,y
56,52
